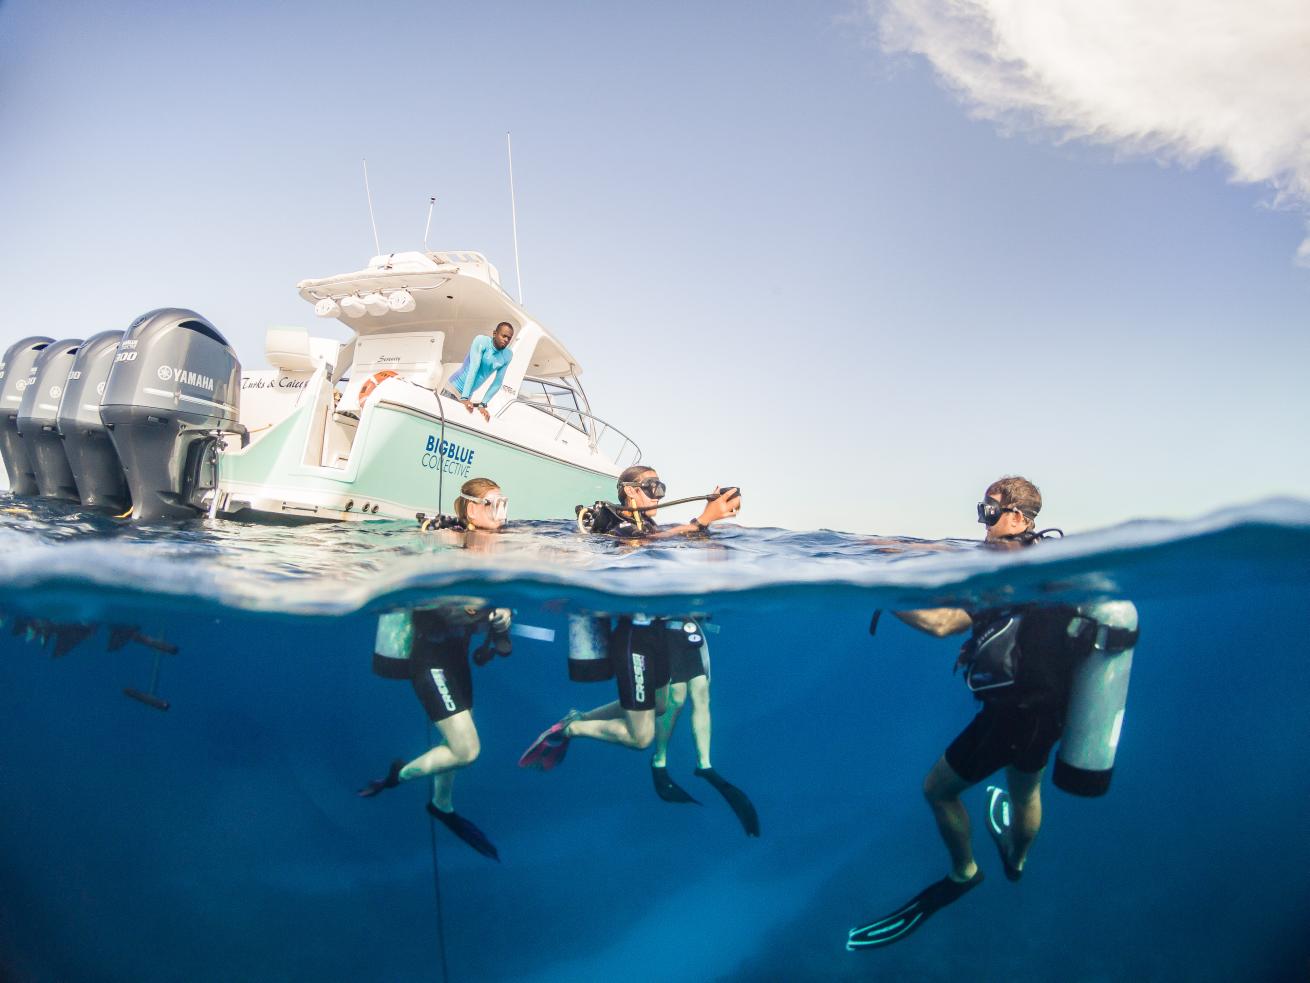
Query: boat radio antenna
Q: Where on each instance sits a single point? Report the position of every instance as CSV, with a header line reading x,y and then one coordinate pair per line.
x,y
514,215
377,245
432,203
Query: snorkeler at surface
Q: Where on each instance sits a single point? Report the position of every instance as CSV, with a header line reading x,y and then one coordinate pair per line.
x,y
640,650
1019,662
488,357
429,647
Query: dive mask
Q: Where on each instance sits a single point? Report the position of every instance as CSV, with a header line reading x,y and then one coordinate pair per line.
x,y
653,487
497,502
990,511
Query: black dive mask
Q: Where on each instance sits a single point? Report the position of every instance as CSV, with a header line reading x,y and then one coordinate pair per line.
x,y
653,487
990,511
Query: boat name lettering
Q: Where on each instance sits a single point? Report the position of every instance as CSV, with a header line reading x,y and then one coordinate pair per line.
x,y
448,465
448,448
282,383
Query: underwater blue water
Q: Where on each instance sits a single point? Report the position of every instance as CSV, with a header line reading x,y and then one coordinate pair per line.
x,y
222,839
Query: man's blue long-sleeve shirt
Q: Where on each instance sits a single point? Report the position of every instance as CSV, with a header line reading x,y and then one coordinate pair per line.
x,y
483,359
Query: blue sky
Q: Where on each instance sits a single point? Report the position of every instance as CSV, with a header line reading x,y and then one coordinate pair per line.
x,y
787,257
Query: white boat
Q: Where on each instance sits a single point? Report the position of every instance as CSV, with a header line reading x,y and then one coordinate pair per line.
x,y
331,431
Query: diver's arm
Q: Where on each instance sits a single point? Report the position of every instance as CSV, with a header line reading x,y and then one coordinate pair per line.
x,y
937,621
721,506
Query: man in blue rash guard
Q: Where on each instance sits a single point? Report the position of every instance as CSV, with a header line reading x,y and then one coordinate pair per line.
x,y
488,358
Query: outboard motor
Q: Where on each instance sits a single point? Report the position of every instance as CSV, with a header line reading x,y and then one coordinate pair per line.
x,y
173,386
14,372
97,471
38,419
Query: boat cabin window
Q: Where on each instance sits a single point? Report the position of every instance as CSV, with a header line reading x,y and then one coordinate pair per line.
x,y
553,397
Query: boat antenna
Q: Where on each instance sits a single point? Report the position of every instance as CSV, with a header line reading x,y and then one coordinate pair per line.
x,y
377,245
514,215
432,203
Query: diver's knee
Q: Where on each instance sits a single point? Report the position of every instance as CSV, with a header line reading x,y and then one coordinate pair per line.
x,y
642,734
466,751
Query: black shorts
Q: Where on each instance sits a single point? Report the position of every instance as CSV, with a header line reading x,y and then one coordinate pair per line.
x,y
639,655
442,678
1003,736
687,661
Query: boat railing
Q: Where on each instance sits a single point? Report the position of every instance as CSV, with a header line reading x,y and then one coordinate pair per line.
x,y
598,431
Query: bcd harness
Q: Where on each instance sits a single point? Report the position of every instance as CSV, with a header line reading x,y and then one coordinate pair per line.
x,y
993,659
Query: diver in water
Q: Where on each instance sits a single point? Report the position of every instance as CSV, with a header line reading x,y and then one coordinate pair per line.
x,y
1022,717
488,357
429,647
480,507
640,651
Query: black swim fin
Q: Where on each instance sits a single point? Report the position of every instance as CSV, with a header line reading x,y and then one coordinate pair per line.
x,y
380,784
736,798
466,831
666,788
904,920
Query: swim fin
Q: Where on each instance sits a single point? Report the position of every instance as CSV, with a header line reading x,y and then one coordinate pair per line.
x,y
551,745
998,824
904,920
666,788
736,798
379,784
466,831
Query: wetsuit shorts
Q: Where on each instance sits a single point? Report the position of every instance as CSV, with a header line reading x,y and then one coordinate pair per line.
x,y
639,655
1003,736
687,661
442,678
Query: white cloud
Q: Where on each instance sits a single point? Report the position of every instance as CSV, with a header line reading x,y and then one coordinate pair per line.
x,y
1180,80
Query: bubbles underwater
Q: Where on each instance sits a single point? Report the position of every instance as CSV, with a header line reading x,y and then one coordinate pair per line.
x,y
222,839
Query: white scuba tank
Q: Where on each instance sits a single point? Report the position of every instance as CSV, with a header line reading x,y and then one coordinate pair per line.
x,y
1099,693
589,648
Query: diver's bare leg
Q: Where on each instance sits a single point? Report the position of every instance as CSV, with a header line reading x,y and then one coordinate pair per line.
x,y
701,724
942,788
1025,812
635,729
460,747
676,696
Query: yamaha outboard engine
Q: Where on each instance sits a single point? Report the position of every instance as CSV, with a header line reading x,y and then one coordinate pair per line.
x,y
97,471
14,372
38,419
174,384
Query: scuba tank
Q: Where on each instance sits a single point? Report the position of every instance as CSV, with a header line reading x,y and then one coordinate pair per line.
x,y
589,648
1094,719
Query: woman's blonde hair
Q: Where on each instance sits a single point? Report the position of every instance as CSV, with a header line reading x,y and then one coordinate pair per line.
x,y
474,488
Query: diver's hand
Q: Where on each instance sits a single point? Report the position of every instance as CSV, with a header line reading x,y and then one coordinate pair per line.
x,y
722,506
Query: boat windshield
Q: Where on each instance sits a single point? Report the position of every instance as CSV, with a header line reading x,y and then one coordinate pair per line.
x,y
554,397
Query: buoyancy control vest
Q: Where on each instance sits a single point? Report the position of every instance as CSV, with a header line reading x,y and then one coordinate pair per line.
x,y
1026,654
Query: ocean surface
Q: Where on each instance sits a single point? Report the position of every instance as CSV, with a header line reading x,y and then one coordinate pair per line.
x,y
221,839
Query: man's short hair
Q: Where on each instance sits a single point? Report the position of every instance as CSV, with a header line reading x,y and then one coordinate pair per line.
x,y
503,324
628,476
1017,493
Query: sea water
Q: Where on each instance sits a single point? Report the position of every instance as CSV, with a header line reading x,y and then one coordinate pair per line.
x,y
221,839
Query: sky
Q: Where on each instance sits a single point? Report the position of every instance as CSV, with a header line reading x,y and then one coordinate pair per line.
x,y
860,259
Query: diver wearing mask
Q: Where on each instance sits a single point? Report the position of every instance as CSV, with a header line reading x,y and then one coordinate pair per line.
x,y
1019,662
645,654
